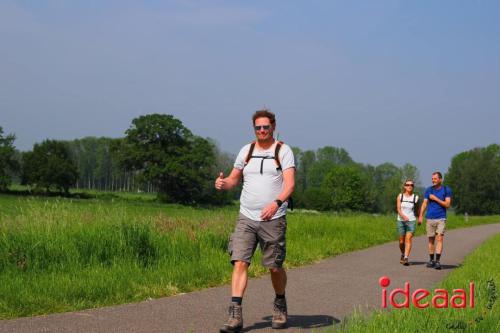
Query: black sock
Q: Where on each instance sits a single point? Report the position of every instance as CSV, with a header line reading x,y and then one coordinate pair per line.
x,y
237,300
431,256
280,296
438,256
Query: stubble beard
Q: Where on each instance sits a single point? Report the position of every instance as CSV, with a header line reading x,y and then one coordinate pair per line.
x,y
269,139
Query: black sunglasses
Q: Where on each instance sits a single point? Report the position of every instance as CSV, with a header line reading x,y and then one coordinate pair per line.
x,y
264,127
409,185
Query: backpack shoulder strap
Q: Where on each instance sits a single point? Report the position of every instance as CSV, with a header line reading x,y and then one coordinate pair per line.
x,y
401,197
276,154
414,198
250,152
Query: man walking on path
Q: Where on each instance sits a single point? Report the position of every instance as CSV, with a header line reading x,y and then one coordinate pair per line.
x,y
437,199
267,168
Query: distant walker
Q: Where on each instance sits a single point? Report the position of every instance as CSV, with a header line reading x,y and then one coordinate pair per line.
x,y
437,200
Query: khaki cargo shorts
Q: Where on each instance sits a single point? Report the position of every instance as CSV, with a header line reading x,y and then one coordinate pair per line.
x,y
270,235
435,226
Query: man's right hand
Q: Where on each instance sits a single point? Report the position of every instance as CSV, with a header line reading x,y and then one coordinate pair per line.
x,y
220,182
420,220
434,198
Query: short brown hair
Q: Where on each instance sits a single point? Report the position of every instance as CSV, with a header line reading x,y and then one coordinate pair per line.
x,y
439,174
264,113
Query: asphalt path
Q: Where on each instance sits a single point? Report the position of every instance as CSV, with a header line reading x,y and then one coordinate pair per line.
x,y
318,295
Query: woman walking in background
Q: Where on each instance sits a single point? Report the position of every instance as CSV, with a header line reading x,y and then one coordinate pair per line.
x,y
406,204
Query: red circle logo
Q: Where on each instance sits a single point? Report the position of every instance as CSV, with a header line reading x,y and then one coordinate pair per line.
x,y
384,281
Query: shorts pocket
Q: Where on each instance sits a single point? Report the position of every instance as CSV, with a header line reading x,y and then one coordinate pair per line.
x,y
279,253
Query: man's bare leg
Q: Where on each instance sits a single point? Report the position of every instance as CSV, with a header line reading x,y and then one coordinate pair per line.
x,y
239,279
278,278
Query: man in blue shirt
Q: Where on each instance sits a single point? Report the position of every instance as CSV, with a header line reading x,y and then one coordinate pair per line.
x,y
437,199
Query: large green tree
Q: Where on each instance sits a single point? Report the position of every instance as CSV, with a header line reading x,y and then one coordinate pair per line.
x,y
474,177
162,150
8,163
48,166
322,162
346,185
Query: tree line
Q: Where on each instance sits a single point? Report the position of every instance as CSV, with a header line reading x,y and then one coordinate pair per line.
x,y
159,154
329,179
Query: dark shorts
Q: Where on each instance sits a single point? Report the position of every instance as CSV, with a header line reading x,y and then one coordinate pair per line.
x,y
270,235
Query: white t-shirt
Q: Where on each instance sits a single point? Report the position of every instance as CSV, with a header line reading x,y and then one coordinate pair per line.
x,y
407,206
260,189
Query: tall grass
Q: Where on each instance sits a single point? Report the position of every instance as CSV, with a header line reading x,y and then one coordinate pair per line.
x,y
65,254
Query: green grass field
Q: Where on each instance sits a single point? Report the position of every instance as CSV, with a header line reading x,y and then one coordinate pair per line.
x,y
482,267
61,255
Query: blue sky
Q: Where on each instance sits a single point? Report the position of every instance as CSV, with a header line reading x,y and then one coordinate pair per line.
x,y
390,81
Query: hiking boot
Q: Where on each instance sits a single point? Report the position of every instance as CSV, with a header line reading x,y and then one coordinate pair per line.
x,y
406,262
280,314
402,259
437,265
431,264
235,321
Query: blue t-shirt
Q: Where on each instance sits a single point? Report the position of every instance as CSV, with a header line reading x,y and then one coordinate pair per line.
x,y
435,210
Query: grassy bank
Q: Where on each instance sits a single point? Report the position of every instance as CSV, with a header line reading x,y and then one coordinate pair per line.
x,y
482,267
66,254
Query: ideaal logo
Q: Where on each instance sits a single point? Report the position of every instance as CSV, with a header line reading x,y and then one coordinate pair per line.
x,y
440,298
458,300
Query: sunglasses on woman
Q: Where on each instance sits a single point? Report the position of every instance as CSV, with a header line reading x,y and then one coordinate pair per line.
x,y
409,185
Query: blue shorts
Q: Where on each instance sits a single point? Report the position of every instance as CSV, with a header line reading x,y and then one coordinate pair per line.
x,y
406,226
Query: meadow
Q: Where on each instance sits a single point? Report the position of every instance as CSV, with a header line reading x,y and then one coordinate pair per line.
x,y
65,254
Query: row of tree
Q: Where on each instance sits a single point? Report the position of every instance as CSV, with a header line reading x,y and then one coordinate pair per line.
x,y
328,179
159,154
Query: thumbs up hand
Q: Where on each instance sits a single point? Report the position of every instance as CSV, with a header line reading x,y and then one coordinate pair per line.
x,y
220,182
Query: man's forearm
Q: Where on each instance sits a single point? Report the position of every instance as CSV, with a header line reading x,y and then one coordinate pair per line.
x,y
230,183
422,209
445,204
288,184
286,193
